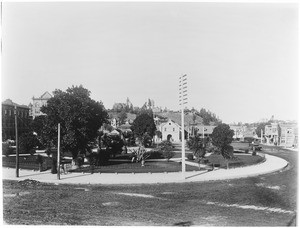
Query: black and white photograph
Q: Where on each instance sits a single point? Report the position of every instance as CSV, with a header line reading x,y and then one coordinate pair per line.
x,y
150,113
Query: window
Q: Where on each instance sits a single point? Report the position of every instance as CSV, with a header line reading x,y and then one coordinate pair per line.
x,y
5,112
169,123
165,129
173,129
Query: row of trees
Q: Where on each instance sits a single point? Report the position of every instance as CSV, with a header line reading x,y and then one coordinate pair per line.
x,y
208,117
80,118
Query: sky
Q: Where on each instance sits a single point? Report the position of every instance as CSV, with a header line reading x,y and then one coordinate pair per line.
x,y
241,59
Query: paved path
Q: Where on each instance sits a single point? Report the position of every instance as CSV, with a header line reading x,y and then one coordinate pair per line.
x,y
271,164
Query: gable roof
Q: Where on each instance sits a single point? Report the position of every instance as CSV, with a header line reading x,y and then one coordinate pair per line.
x,y
45,96
207,129
163,124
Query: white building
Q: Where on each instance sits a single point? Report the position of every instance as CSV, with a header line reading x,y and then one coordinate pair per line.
x,y
289,135
37,103
170,130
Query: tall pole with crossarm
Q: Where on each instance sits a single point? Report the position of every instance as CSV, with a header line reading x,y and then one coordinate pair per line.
x,y
182,102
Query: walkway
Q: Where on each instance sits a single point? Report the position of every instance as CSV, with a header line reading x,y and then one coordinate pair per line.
x,y
271,164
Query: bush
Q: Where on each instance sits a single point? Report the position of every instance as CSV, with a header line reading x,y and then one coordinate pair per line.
x,y
155,154
254,153
39,159
190,157
6,149
79,161
247,151
166,148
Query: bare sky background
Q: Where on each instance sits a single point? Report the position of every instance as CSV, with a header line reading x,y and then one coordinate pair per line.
x,y
241,58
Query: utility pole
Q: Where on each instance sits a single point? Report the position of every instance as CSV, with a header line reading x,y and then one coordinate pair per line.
x,y
17,142
58,153
182,102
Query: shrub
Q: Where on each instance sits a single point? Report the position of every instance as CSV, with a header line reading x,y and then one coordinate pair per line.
x,y
247,151
254,153
6,149
166,148
79,161
155,154
39,159
190,157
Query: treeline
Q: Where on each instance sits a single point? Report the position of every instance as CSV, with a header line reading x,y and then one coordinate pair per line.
x,y
208,117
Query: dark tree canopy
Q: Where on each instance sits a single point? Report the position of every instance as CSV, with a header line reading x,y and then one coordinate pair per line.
x,y
144,123
208,117
222,137
80,118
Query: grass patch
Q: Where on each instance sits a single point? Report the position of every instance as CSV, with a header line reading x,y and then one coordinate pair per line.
x,y
135,167
238,161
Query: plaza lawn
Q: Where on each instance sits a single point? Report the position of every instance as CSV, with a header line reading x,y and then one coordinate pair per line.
x,y
125,166
238,161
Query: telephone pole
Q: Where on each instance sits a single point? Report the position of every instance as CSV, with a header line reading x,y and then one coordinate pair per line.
x,y
17,142
58,152
182,102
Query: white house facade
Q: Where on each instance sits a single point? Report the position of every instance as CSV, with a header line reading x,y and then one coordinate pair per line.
x,y
37,103
170,130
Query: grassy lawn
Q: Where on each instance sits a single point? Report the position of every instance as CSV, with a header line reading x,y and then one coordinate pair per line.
x,y
240,145
134,167
239,161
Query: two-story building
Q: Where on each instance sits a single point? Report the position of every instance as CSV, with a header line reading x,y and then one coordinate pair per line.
x,y
204,130
37,103
271,134
289,134
9,111
238,132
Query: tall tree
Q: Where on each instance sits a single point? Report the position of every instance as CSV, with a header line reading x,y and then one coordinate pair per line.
x,y
143,123
80,118
222,137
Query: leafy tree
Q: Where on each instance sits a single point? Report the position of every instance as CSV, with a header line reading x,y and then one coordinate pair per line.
x,y
260,126
208,117
143,123
80,118
158,134
122,116
199,146
222,137
28,142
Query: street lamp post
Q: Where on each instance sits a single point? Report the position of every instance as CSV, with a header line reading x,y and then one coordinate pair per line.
x,y
182,102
